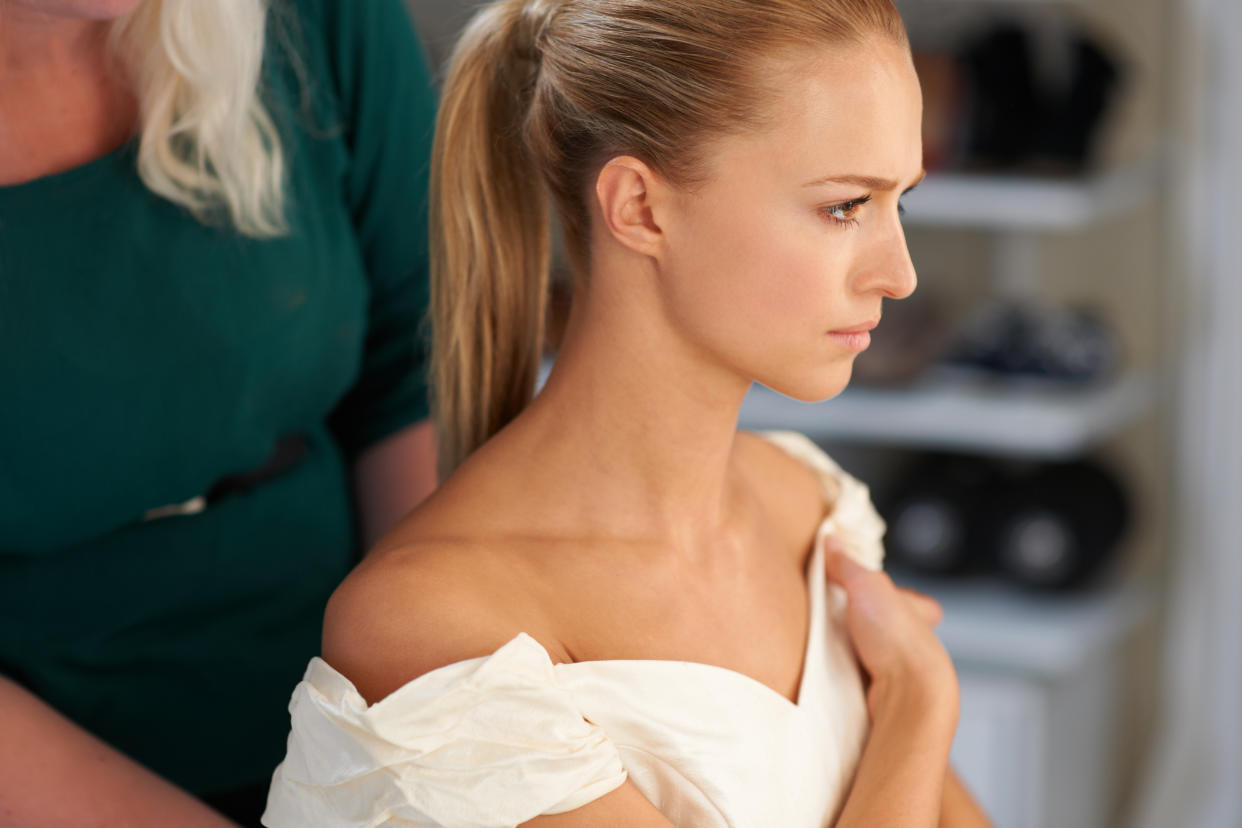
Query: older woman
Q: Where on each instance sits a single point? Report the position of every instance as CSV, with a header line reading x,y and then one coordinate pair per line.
x,y
212,274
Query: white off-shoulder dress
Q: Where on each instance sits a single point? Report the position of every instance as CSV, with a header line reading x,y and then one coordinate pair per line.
x,y
498,740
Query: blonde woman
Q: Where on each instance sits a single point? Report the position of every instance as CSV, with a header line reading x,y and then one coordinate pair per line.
x,y
211,278
616,609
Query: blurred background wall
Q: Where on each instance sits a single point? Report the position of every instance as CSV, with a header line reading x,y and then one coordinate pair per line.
x,y
1051,424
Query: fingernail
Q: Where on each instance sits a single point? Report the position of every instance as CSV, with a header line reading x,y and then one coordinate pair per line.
x,y
837,550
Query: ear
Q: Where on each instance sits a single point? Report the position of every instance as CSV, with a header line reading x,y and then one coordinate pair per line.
x,y
631,198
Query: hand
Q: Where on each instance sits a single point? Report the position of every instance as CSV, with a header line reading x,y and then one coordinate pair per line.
x,y
891,630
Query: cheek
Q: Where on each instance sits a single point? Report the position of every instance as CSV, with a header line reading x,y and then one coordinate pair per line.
x,y
760,277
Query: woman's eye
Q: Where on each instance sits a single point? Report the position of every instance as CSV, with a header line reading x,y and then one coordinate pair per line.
x,y
847,212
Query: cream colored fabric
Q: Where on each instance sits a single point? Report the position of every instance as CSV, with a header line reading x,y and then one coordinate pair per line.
x,y
498,740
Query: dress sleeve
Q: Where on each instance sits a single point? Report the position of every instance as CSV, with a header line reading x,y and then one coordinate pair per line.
x,y
386,102
853,519
493,741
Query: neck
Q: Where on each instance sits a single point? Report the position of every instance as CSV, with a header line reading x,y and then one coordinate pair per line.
x,y
34,41
76,106
639,421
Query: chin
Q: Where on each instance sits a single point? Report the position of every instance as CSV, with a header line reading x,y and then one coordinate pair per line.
x,y
812,387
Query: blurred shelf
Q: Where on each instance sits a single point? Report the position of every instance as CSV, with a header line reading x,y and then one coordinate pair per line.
x,y
1045,682
1027,421
1027,203
994,626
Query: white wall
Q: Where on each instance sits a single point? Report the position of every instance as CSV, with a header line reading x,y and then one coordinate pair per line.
x,y
1196,765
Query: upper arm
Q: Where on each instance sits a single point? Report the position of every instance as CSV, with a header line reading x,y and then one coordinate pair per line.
x,y
624,807
387,104
392,477
392,621
54,773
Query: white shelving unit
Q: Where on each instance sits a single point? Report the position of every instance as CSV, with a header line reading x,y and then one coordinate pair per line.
x,y
1026,421
999,627
1028,204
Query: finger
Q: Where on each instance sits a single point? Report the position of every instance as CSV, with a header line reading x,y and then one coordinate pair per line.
x,y
928,608
839,565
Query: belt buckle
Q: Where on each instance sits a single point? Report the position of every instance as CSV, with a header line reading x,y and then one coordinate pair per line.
x,y
192,506
289,451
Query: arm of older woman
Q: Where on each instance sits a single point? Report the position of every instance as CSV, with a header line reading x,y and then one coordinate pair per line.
x,y
56,774
392,477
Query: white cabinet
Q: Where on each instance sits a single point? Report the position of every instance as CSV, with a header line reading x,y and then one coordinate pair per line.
x,y
1041,679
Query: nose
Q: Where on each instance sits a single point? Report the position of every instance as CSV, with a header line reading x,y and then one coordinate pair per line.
x,y
886,268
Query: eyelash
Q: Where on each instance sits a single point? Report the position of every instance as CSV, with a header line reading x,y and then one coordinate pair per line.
x,y
852,206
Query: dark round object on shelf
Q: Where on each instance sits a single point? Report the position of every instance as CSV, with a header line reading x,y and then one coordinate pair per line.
x,y
935,515
929,534
1070,346
1059,525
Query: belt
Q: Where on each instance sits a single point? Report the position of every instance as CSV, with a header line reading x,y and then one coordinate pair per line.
x,y
289,451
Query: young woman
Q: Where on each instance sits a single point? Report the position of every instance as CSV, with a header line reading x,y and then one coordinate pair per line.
x,y
614,611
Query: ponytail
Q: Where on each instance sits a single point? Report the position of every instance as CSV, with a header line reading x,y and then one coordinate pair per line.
x,y
490,228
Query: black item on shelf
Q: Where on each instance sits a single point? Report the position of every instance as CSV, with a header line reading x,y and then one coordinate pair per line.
x,y
1003,100
1060,525
1063,345
1074,116
936,515
1018,119
1042,526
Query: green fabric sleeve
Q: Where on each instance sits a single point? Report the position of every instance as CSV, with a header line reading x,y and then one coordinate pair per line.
x,y
386,102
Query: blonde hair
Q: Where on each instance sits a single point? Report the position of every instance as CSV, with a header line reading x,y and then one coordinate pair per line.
x,y
539,95
206,140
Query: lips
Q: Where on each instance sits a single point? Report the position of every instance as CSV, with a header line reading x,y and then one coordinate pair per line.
x,y
857,329
857,338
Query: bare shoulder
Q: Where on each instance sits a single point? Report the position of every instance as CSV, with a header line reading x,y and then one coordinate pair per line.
x,y
417,608
774,470
791,493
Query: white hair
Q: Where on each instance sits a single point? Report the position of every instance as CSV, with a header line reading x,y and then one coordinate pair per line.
x,y
207,142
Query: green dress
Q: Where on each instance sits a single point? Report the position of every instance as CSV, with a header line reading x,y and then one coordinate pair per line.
x,y
144,356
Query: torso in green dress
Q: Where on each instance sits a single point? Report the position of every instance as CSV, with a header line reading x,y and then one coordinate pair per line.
x,y
143,356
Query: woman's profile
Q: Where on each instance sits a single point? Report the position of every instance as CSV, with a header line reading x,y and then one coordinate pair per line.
x,y
614,611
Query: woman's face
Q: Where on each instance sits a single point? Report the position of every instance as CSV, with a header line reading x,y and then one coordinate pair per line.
x,y
795,237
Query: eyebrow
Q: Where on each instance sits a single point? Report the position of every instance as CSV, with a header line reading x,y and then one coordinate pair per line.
x,y
868,181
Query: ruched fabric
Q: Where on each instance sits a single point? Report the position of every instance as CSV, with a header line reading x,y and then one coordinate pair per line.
x,y
492,741
499,740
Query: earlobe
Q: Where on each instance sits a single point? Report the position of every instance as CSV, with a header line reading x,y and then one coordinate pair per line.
x,y
627,192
